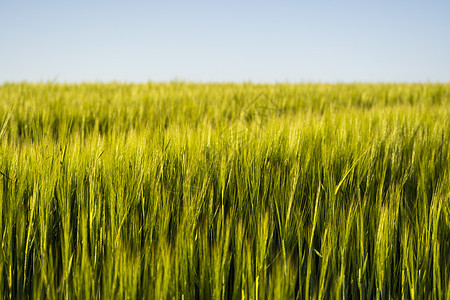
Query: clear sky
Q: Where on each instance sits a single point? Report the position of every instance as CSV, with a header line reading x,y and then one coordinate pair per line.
x,y
257,41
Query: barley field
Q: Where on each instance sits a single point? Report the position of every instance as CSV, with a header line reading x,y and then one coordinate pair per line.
x,y
224,191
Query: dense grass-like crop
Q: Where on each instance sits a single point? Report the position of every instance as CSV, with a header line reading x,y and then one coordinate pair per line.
x,y
205,191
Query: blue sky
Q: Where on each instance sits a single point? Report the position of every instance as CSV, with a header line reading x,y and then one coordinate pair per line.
x,y
257,41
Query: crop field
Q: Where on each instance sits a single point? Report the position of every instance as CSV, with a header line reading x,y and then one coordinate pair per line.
x,y
236,191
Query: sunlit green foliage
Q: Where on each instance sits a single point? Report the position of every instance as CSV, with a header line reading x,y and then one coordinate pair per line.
x,y
176,190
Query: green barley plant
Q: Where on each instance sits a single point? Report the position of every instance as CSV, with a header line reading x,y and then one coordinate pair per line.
x,y
225,191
